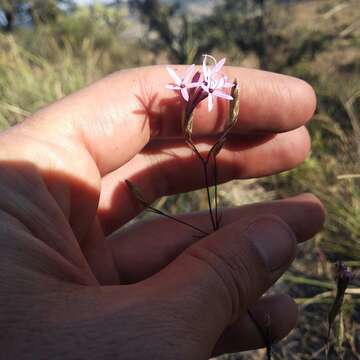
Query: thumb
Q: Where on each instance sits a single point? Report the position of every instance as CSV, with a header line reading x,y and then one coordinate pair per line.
x,y
215,280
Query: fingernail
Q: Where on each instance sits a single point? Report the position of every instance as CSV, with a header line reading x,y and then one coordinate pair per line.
x,y
274,240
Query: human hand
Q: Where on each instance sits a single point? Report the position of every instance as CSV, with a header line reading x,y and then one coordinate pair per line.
x,y
72,288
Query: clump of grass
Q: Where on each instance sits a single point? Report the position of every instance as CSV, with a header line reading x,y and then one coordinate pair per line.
x,y
29,81
332,173
79,49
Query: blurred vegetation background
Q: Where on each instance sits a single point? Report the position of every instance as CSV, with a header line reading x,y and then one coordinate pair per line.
x,y
51,48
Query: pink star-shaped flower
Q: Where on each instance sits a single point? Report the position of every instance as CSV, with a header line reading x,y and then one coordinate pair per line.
x,y
184,83
213,88
212,84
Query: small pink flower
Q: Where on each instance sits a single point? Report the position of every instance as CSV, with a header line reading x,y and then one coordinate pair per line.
x,y
184,83
213,88
212,84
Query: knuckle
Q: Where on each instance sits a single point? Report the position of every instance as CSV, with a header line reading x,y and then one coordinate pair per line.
x,y
234,274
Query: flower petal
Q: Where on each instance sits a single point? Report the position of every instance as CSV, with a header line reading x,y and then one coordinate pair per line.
x,y
185,94
217,67
172,87
228,85
222,95
174,75
210,102
188,73
205,69
220,83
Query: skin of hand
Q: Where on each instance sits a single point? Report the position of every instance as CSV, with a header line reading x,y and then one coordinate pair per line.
x,y
74,288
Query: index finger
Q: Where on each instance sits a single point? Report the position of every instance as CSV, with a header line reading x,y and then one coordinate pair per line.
x,y
119,114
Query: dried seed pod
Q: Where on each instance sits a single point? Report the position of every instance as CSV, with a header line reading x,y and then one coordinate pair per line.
x,y
234,104
188,126
344,277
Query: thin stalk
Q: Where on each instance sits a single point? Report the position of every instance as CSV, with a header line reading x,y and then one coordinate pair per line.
x,y
159,212
214,151
205,169
195,150
208,195
217,220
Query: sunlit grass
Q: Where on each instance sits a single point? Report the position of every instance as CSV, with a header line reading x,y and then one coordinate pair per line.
x,y
29,81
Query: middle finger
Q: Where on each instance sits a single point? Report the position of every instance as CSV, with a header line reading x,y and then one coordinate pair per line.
x,y
170,167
